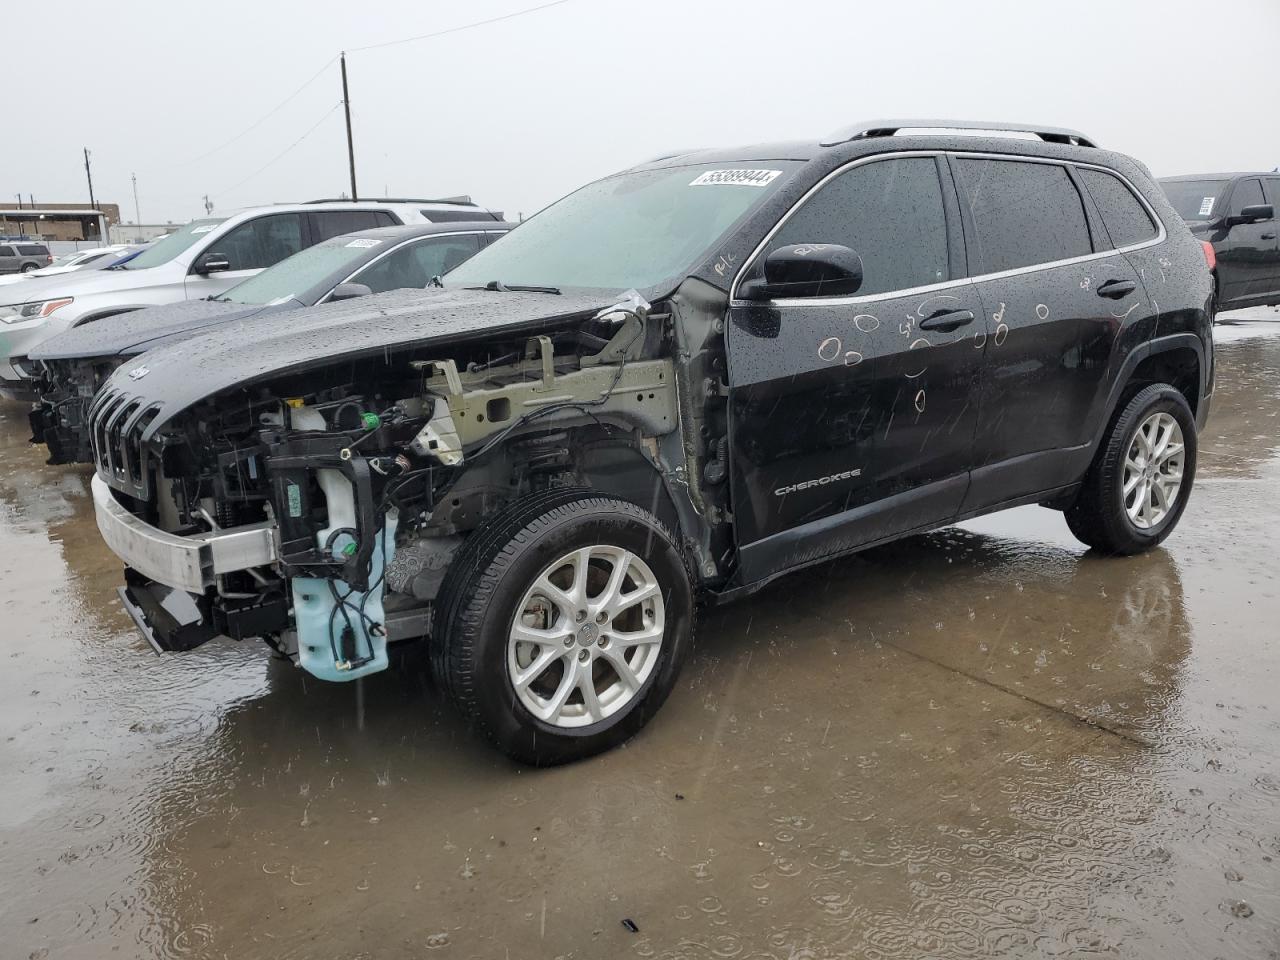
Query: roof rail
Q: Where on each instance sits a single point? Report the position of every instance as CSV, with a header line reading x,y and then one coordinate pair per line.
x,y
887,128
669,155
461,201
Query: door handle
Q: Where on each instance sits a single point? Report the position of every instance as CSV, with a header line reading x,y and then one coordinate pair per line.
x,y
947,320
1268,236
1117,289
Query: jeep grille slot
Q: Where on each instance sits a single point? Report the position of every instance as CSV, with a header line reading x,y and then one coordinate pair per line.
x,y
117,422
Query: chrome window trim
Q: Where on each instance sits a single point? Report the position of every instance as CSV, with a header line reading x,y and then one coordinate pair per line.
x,y
390,250
734,301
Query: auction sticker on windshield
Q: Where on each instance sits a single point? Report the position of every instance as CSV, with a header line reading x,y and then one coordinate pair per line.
x,y
737,178
1206,206
363,243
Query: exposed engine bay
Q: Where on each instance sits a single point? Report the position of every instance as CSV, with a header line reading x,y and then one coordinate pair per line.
x,y
366,485
66,389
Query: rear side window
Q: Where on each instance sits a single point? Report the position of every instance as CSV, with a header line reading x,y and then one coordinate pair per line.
x,y
31,250
1022,214
1247,193
1123,214
334,223
261,242
890,213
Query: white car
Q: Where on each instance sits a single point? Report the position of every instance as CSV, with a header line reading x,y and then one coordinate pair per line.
x,y
94,258
200,260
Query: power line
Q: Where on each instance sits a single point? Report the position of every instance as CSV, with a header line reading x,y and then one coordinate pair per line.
x,y
310,130
315,76
465,26
264,118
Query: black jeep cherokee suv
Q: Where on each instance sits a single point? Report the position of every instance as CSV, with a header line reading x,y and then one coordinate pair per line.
x,y
685,379
1234,213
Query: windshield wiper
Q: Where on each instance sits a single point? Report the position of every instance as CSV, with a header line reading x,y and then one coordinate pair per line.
x,y
498,286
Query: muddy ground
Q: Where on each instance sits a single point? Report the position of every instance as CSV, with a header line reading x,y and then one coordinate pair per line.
x,y
975,743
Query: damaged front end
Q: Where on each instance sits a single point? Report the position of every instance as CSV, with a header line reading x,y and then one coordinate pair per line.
x,y
60,416
318,511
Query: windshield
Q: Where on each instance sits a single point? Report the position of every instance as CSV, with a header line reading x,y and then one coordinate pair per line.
x,y
162,251
303,270
632,230
1195,199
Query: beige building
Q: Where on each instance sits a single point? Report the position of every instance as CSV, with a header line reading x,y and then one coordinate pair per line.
x,y
59,221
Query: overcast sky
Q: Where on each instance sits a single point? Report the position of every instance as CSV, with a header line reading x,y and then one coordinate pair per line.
x,y
520,112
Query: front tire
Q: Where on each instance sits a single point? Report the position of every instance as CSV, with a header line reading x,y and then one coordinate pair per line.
x,y
1140,481
562,625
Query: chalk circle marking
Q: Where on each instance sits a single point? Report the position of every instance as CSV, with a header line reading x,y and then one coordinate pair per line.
x,y
921,342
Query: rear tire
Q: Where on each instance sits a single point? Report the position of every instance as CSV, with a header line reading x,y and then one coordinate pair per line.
x,y
1139,482
28,267
539,638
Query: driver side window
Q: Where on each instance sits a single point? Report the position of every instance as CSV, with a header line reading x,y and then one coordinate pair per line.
x,y
889,212
414,264
1248,193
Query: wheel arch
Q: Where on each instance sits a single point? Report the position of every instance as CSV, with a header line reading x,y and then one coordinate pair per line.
x,y
1177,359
608,458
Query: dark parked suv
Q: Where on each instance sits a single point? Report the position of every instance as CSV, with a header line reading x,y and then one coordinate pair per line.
x,y
685,379
1235,213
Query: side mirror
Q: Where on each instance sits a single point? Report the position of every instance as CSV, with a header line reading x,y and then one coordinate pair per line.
x,y
212,263
806,270
1252,214
349,291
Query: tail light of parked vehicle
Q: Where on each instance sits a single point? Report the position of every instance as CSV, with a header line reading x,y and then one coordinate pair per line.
x,y
1210,257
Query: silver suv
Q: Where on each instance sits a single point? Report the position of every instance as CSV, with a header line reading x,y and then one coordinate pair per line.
x,y
23,256
200,260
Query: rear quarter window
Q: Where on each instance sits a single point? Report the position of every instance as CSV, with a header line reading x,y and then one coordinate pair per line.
x,y
1123,215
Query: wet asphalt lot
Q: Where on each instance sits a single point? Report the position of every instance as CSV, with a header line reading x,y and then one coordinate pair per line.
x,y
980,742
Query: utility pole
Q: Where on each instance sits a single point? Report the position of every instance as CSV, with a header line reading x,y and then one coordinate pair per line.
x,y
89,173
346,108
136,212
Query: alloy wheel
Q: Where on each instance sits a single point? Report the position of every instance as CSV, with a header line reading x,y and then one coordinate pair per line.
x,y
586,636
1153,471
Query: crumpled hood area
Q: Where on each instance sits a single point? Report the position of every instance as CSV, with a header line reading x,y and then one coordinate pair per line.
x,y
177,375
131,332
